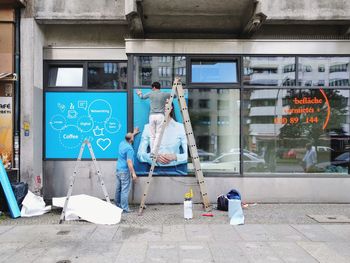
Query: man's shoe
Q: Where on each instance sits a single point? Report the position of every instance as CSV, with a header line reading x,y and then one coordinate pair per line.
x,y
128,211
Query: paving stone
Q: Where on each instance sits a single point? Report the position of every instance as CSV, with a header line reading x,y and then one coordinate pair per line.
x,y
322,252
174,233
259,252
92,252
290,252
4,229
162,252
103,233
342,230
18,234
135,232
224,232
227,252
57,252
9,249
198,233
132,252
194,252
254,233
284,233
317,233
341,248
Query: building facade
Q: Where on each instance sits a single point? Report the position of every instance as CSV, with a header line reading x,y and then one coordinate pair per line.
x,y
263,79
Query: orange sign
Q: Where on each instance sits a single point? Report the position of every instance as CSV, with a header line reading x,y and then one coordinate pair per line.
x,y
306,106
6,131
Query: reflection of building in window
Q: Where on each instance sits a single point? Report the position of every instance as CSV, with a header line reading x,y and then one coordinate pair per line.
x,y
338,68
263,102
338,82
321,68
269,71
329,68
204,103
223,104
261,119
289,68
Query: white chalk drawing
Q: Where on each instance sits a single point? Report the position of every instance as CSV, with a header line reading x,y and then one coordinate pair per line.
x,y
58,122
113,125
70,137
61,107
72,113
82,104
103,143
100,111
85,124
98,131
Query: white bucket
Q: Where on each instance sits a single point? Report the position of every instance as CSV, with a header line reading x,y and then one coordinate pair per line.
x,y
188,214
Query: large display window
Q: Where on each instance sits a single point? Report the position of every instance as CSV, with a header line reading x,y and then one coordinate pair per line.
x,y
84,100
303,131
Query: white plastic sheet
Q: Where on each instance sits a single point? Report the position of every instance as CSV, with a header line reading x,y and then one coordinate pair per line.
x,y
33,205
89,208
235,212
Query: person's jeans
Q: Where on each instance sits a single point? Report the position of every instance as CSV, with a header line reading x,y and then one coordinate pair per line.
x,y
123,185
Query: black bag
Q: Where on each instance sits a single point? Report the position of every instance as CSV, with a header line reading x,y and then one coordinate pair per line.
x,y
20,191
222,200
222,203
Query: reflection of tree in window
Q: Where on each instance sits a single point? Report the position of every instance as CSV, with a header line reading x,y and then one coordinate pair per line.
x,y
314,131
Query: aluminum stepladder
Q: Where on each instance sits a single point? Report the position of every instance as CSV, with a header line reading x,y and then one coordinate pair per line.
x,y
178,90
71,184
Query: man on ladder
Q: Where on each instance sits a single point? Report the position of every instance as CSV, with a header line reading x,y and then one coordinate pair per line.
x,y
177,90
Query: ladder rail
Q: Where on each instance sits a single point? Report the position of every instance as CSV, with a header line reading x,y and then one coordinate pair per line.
x,y
72,181
168,108
178,89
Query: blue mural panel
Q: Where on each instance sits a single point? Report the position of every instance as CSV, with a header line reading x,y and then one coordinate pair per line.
x,y
70,117
174,140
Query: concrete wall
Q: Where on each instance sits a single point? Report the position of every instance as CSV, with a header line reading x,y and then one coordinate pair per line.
x,y
305,10
100,11
31,102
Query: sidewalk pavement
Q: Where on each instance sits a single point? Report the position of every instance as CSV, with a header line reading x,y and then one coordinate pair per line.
x,y
272,233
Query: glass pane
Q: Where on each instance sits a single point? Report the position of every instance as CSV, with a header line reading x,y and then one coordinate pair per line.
x,y
65,77
148,69
298,130
107,75
324,71
269,71
215,121
209,71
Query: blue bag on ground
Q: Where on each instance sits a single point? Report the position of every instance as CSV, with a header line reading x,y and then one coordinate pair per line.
x,y
235,211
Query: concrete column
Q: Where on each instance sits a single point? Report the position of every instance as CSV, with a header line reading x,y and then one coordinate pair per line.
x,y
31,103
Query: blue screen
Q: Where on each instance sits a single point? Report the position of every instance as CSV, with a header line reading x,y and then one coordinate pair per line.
x,y
70,117
215,72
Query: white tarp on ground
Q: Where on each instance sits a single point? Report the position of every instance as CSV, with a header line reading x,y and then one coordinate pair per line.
x,y
33,205
89,208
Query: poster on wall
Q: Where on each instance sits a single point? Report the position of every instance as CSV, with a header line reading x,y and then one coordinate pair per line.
x,y
6,131
72,117
173,148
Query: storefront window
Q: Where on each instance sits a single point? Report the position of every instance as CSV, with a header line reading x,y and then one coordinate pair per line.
x,y
332,71
66,77
213,71
148,69
269,71
216,129
107,75
306,131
